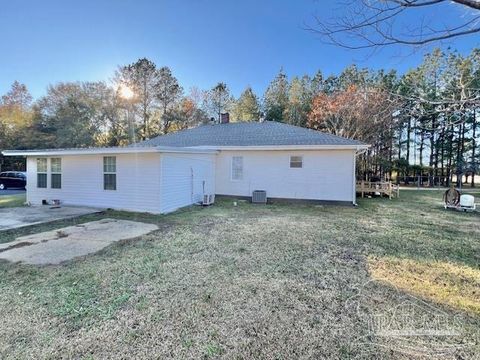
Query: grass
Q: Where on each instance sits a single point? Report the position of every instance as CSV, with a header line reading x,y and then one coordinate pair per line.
x,y
276,281
12,200
439,281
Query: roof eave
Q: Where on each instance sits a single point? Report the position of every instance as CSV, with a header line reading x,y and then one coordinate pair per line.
x,y
106,151
288,147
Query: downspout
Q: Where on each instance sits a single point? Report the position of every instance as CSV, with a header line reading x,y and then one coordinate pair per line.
x,y
354,172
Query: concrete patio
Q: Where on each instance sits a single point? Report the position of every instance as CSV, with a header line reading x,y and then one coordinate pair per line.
x,y
57,246
17,217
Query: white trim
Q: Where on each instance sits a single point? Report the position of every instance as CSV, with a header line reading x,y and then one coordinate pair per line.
x,y
170,149
55,173
284,147
41,172
105,151
109,172
357,153
354,174
231,167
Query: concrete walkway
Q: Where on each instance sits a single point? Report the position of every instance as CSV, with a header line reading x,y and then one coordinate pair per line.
x,y
56,246
16,217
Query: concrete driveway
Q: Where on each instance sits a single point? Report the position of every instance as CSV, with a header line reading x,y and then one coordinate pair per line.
x,y
16,217
12,192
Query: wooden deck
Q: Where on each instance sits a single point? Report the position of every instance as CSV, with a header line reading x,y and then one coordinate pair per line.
x,y
378,187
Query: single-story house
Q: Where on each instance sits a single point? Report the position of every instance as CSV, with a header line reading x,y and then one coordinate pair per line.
x,y
175,170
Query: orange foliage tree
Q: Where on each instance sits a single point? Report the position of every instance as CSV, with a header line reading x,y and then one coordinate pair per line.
x,y
366,114
353,113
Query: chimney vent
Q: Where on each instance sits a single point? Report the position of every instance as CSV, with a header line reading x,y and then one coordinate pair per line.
x,y
225,118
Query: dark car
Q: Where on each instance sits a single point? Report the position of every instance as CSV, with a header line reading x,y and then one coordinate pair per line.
x,y
12,179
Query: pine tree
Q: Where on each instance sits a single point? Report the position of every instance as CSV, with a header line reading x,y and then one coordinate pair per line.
x,y
168,92
276,98
218,100
141,78
299,101
247,107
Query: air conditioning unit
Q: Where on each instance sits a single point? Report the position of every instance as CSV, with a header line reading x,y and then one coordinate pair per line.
x,y
259,197
208,199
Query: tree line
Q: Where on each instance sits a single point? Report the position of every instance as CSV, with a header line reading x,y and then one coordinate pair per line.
x,y
423,122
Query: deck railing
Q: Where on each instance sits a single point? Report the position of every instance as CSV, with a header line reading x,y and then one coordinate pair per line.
x,y
378,187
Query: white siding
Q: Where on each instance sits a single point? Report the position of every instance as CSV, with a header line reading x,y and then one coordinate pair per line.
x,y
325,175
161,183
183,179
138,178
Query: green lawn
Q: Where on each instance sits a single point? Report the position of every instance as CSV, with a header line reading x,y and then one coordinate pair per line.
x,y
276,281
12,200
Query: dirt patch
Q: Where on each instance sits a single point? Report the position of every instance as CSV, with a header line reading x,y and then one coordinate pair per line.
x,y
54,247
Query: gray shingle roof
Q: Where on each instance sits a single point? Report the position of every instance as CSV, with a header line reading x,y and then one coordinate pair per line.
x,y
247,134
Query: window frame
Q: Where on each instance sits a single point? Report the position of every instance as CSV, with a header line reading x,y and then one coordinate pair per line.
x,y
296,161
56,172
232,161
43,173
108,173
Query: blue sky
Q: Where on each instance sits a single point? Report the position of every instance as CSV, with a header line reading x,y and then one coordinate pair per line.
x,y
203,41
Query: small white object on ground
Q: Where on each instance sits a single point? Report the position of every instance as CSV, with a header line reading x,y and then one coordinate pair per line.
x,y
467,201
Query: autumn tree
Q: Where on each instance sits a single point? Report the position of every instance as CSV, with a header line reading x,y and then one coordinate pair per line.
x,y
344,113
15,115
356,113
16,118
185,114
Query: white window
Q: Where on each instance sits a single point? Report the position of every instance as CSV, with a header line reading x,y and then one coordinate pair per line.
x,y
56,173
296,162
41,173
110,173
237,168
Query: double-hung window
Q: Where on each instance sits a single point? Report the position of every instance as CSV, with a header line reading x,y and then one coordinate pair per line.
x,y
42,172
237,168
110,173
56,173
296,162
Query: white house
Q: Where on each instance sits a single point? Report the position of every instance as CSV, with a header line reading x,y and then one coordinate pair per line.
x,y
168,172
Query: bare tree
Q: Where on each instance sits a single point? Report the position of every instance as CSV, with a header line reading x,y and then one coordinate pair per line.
x,y
378,23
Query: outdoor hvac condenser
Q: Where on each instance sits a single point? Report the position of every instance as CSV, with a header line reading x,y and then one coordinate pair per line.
x,y
259,197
